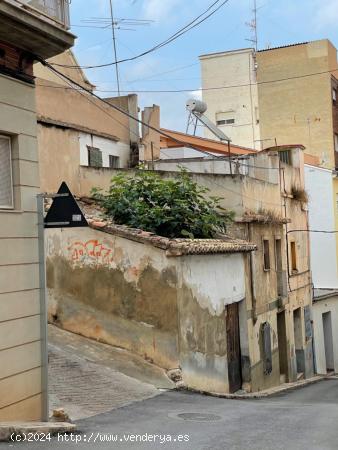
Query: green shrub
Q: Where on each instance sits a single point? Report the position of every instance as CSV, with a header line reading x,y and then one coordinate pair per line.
x,y
170,207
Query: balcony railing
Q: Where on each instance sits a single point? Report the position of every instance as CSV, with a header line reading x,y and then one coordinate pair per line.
x,y
57,10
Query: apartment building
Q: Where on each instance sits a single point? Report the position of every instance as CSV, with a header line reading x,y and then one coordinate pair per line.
x,y
27,28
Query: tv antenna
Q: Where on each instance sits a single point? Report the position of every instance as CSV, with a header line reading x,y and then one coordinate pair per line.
x,y
253,25
124,24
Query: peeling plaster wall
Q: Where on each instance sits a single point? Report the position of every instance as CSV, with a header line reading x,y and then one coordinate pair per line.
x,y
207,285
115,290
170,310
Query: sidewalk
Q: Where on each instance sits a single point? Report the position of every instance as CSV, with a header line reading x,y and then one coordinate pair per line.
x,y
88,378
283,388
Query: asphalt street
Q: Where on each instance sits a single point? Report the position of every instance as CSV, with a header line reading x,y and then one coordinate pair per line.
x,y
305,419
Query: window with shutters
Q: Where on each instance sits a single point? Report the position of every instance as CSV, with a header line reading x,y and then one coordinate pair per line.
x,y
94,157
6,177
114,162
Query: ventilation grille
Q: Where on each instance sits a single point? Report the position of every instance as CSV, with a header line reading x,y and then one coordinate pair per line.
x,y
6,186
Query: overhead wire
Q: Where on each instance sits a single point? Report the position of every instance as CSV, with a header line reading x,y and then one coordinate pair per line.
x,y
172,91
191,25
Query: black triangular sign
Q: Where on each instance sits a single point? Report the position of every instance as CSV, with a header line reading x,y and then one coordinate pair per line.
x,y
65,212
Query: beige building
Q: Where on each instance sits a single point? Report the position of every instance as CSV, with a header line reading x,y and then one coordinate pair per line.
x,y
79,134
266,191
26,29
296,100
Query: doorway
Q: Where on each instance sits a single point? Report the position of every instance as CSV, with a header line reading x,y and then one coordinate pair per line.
x,y
297,326
233,348
328,341
282,347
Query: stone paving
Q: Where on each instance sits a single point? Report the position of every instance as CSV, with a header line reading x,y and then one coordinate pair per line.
x,y
85,387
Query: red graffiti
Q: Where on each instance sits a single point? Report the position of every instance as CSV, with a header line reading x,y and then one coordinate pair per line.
x,y
92,251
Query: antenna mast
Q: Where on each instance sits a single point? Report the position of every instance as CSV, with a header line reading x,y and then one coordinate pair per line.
x,y
253,25
114,47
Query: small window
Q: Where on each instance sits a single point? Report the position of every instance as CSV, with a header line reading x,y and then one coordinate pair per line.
x,y
336,142
94,157
285,156
266,254
225,118
114,162
334,94
225,122
293,257
6,182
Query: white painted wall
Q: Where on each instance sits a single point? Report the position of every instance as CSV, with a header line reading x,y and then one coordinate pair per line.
x,y
318,184
232,69
215,281
320,307
107,146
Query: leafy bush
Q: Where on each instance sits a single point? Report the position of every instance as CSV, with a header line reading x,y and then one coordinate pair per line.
x,y
176,207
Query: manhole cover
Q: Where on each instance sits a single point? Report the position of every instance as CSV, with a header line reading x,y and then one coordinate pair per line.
x,y
199,417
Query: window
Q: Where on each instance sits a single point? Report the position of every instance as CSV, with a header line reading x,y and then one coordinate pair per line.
x,y
336,142
225,122
6,183
266,254
94,157
334,94
285,156
293,257
114,162
225,118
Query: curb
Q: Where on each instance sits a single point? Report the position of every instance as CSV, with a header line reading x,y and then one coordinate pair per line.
x,y
23,429
287,387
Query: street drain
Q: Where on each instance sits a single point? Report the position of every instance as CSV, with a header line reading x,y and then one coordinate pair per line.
x,y
198,417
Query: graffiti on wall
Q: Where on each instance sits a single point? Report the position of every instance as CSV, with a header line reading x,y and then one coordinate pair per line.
x,y
90,252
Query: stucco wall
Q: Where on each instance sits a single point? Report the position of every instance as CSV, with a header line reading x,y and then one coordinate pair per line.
x,y
20,346
114,290
207,286
318,183
319,308
170,310
107,146
229,69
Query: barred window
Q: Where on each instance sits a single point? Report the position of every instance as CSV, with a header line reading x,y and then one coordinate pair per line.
x,y
6,178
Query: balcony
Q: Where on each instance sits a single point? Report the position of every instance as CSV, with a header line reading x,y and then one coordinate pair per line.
x,y
57,10
37,26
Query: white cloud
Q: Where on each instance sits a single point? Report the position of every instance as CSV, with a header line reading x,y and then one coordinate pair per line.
x,y
159,9
326,13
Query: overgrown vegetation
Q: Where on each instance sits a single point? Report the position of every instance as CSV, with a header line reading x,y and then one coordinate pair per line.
x,y
170,207
299,194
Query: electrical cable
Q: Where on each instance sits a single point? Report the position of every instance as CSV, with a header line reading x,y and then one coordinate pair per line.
x,y
157,130
173,91
191,25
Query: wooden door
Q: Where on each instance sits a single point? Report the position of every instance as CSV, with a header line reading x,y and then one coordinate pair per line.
x,y
233,348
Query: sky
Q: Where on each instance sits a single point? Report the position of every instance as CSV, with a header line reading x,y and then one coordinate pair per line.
x,y
176,66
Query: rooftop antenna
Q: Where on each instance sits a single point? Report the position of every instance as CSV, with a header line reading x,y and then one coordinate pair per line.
x,y
105,23
253,25
115,47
